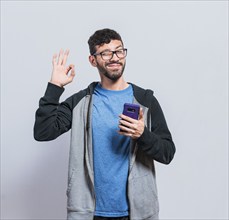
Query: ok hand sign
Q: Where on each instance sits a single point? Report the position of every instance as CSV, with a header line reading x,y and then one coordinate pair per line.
x,y
60,72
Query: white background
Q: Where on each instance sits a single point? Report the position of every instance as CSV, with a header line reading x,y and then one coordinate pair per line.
x,y
179,49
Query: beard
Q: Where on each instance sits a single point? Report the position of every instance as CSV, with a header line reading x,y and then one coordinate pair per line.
x,y
114,74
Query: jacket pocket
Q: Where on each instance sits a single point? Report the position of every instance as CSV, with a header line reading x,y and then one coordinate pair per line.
x,y
79,192
143,197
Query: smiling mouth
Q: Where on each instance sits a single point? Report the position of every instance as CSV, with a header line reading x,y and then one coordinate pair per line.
x,y
113,65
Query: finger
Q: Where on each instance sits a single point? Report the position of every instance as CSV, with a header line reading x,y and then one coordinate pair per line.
x,y
54,59
65,56
60,58
141,113
125,133
127,124
129,119
70,67
126,129
72,75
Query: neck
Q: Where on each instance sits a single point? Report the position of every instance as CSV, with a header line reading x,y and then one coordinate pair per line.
x,y
120,84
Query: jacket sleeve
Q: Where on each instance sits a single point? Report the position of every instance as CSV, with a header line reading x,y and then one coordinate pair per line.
x,y
158,142
52,118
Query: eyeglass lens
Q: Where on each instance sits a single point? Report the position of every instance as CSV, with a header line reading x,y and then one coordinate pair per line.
x,y
107,55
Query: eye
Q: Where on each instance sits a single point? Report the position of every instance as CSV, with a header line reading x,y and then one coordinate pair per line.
x,y
106,53
119,51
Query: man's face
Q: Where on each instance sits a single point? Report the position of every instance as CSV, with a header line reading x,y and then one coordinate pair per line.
x,y
111,68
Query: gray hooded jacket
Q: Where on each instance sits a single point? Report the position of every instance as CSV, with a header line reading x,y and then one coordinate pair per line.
x,y
54,118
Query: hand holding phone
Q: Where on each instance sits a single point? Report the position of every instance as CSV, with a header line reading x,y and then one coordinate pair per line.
x,y
132,121
130,110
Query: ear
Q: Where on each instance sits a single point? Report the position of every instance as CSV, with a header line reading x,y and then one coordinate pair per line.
x,y
92,60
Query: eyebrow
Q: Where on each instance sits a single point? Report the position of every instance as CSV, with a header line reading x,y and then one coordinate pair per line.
x,y
119,46
110,50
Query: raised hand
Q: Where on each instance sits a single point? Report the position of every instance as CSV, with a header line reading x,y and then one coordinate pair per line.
x,y
60,73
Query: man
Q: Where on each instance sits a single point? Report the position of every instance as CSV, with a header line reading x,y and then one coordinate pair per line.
x,y
111,160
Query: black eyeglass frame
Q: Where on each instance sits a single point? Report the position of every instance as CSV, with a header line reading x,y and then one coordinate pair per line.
x,y
113,52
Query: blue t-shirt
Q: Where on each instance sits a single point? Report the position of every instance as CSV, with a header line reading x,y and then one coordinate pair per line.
x,y
111,152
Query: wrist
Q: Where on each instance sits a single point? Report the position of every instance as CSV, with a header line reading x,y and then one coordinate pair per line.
x,y
56,83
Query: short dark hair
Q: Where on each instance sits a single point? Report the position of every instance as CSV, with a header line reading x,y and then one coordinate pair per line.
x,y
100,37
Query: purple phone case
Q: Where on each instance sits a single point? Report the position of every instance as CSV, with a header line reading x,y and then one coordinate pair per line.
x,y
131,110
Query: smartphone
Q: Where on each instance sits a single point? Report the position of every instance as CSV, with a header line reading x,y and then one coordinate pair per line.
x,y
131,110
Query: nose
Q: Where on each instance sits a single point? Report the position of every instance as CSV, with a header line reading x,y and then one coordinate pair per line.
x,y
114,57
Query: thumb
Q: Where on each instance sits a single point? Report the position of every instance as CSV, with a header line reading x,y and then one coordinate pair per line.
x,y
72,75
141,114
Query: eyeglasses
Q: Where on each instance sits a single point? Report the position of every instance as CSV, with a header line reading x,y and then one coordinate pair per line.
x,y
108,55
